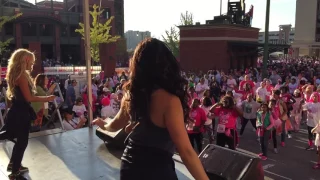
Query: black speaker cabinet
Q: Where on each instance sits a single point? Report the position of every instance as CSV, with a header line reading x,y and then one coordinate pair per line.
x,y
225,164
112,139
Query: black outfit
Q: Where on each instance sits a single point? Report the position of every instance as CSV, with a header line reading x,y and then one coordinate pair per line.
x,y
274,138
264,142
311,136
198,137
148,154
18,123
244,124
223,139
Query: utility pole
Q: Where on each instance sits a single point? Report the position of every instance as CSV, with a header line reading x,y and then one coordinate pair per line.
x,y
266,42
88,57
220,7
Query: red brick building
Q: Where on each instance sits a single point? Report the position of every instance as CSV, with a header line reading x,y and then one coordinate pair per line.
x,y
218,46
48,29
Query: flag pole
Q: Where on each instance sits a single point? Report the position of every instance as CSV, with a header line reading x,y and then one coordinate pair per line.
x,y
88,58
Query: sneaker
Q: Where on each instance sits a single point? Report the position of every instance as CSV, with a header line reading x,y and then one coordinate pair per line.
x,y
289,136
22,168
283,144
16,176
275,150
263,158
309,148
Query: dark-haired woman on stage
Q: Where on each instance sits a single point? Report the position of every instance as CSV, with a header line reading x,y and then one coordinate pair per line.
x,y
156,101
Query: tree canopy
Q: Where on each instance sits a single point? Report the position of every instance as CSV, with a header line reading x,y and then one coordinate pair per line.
x,y
172,36
99,32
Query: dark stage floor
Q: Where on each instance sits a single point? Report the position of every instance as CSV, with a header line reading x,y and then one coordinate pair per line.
x,y
77,154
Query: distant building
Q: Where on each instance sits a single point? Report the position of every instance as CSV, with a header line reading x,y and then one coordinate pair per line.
x,y
134,37
307,38
285,35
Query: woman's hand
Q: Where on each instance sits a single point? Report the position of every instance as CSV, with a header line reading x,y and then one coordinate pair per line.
x,y
99,122
83,120
51,98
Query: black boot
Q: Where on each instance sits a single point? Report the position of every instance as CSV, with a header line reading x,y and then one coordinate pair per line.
x,y
22,168
3,135
17,176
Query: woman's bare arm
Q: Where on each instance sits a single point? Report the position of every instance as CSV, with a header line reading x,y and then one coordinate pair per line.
x,y
24,87
174,122
51,89
120,121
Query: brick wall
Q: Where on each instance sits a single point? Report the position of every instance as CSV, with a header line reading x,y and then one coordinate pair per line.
x,y
206,47
35,47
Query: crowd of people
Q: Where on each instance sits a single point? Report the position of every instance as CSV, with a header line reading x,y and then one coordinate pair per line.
x,y
222,103
166,110
106,99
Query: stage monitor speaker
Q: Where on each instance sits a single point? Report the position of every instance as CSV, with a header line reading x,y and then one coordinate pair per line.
x,y
112,139
225,164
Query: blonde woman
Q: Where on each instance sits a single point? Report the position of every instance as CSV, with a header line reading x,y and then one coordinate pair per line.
x,y
20,92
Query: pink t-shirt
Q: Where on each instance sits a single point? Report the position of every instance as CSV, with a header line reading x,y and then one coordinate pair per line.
x,y
227,117
193,96
199,117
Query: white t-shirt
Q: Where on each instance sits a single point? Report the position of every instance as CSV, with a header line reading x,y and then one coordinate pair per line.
x,y
69,125
66,84
200,88
313,113
262,93
231,84
79,110
250,109
107,111
292,87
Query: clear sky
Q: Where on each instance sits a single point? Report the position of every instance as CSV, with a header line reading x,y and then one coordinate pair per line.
x,y
158,15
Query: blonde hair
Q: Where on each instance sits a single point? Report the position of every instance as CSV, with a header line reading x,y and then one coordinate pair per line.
x,y
17,68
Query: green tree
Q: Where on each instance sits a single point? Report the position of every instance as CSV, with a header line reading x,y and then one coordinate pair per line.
x,y
99,32
3,20
171,37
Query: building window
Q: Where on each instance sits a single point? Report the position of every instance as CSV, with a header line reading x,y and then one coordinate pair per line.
x,y
106,13
64,31
29,29
8,29
73,32
46,30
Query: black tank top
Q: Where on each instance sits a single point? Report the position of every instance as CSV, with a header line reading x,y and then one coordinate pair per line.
x,y
149,135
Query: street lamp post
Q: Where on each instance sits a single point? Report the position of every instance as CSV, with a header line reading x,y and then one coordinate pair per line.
x,y
88,57
266,41
220,7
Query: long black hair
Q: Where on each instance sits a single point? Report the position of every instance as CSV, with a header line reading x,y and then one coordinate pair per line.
x,y
153,66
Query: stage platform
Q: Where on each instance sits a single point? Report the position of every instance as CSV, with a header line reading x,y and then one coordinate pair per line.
x,y
71,155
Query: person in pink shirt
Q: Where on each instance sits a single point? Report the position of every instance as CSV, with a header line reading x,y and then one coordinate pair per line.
x,y
245,92
244,83
295,115
269,86
195,125
192,95
227,113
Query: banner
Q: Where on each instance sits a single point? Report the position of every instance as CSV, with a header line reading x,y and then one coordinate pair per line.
x,y
80,70
70,70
